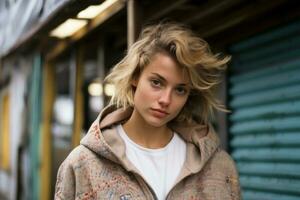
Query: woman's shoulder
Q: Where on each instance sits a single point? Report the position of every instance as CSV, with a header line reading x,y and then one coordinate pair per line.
x,y
78,155
223,155
222,161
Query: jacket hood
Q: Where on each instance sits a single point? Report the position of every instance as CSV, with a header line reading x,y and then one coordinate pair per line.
x,y
102,139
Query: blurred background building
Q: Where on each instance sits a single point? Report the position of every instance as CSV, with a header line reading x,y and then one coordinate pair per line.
x,y
55,54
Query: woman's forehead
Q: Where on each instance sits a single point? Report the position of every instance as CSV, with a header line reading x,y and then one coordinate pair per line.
x,y
166,67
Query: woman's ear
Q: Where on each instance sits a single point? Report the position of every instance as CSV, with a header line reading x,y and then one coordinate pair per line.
x,y
134,82
135,77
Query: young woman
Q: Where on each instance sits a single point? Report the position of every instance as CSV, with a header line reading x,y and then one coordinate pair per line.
x,y
154,140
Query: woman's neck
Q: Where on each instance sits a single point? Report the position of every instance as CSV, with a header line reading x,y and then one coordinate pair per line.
x,y
146,135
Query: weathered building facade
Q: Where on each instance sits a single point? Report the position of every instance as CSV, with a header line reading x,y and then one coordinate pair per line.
x,y
47,100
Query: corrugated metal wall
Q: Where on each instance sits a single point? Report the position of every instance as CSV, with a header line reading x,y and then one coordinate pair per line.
x,y
265,122
35,109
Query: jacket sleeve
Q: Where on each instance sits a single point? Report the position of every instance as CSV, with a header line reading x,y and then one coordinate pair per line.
x,y
232,180
65,183
235,186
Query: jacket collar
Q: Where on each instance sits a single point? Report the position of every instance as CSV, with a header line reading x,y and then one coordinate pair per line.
x,y
202,141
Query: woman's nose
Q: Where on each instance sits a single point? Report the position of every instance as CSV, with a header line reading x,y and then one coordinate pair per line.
x,y
165,98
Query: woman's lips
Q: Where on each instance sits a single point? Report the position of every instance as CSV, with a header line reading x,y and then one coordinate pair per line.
x,y
159,113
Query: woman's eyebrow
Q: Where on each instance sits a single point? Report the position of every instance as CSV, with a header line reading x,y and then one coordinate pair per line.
x,y
159,76
163,79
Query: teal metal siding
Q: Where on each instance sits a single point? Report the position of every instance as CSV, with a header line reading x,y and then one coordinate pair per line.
x,y
35,101
264,128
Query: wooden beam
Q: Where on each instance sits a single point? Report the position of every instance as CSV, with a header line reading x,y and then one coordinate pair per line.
x,y
46,136
133,21
5,136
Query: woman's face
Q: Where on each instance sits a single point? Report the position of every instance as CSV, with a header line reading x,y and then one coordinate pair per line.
x,y
161,91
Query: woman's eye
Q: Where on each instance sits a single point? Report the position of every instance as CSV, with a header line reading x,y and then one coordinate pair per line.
x,y
156,83
181,91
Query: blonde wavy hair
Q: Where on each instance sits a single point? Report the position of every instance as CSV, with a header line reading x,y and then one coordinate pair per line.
x,y
191,52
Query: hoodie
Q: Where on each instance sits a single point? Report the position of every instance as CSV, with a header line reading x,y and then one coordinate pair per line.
x,y
99,169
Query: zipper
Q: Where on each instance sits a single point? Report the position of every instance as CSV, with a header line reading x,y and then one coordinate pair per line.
x,y
149,191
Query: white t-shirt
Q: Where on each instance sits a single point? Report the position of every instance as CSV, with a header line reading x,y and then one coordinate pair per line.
x,y
159,167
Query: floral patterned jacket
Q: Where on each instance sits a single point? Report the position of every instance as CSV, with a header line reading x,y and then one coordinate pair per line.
x,y
98,167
